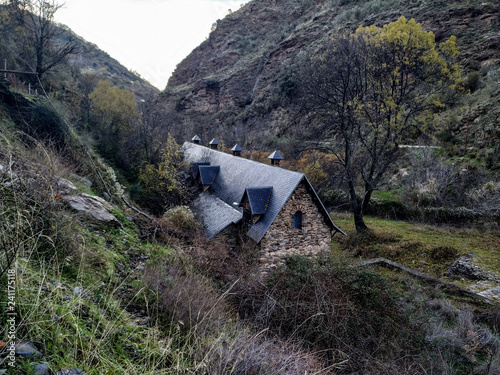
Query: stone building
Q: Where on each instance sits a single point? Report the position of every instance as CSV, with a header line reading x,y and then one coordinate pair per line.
x,y
276,208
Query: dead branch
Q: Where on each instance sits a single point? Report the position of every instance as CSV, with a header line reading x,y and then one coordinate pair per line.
x,y
448,287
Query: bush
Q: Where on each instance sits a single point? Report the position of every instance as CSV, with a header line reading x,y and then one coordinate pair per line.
x,y
473,81
181,218
443,253
365,243
334,309
198,321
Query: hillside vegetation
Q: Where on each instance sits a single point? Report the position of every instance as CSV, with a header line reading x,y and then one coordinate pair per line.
x,y
104,270
245,84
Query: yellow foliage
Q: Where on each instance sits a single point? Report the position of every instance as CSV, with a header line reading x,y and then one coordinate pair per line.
x,y
413,47
114,106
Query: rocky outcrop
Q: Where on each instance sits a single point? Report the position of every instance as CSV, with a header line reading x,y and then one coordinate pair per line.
x,y
466,267
240,85
91,205
39,179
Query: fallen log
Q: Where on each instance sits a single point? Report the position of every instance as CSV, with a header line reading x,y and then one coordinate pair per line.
x,y
448,287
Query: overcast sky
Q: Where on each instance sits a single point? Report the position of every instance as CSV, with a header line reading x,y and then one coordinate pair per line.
x,y
148,36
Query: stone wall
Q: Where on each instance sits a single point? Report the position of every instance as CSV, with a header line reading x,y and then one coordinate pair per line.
x,y
283,239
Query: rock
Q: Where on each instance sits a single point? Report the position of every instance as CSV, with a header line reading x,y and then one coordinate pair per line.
x,y
106,196
71,371
91,205
80,291
86,182
64,186
492,294
26,350
41,369
466,267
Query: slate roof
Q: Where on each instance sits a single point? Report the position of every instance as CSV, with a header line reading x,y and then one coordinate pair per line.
x,y
259,199
237,148
196,138
276,156
208,174
236,175
215,214
195,170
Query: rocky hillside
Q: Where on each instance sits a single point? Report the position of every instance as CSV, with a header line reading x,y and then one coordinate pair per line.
x,y
240,84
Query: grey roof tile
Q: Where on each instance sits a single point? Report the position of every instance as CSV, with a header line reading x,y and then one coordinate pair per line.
x,y
259,199
208,174
276,156
215,214
237,174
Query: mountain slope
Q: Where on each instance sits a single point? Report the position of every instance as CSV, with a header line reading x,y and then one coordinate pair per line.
x,y
239,84
17,53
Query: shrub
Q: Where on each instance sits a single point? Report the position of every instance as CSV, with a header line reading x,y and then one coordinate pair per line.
x,y
183,299
443,253
46,124
181,218
365,243
473,81
335,309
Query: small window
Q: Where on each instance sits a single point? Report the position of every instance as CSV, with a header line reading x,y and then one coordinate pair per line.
x,y
297,220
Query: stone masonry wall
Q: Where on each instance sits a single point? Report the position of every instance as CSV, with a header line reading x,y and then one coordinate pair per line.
x,y
283,239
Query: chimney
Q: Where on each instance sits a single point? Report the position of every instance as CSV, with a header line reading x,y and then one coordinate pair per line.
x,y
213,144
236,150
196,140
275,158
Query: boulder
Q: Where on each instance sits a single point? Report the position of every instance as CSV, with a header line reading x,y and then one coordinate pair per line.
x,y
492,294
26,349
466,267
91,205
63,186
71,371
41,369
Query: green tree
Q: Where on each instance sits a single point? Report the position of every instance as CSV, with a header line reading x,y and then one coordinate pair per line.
x,y
372,91
162,183
114,116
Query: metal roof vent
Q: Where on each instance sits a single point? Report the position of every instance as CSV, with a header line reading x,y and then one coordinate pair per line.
x,y
236,150
213,144
275,158
196,140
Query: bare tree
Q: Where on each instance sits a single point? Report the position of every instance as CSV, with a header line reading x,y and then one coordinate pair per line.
x,y
371,91
47,45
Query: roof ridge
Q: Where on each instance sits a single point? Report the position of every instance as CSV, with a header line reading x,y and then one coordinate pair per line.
x,y
240,159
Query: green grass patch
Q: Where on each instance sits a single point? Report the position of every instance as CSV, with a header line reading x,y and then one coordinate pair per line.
x,y
428,248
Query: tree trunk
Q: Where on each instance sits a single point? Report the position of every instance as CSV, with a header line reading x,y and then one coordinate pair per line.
x,y
359,221
357,210
366,200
